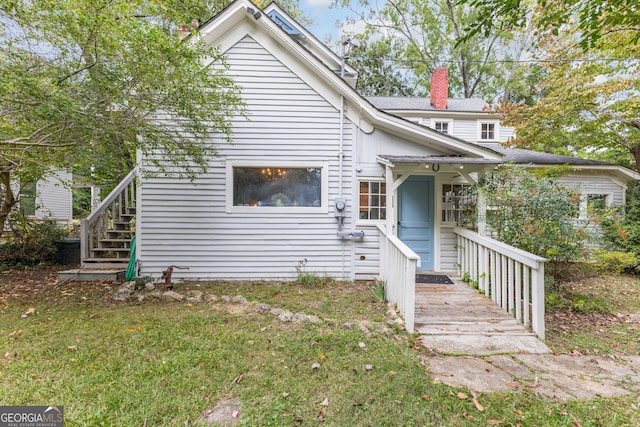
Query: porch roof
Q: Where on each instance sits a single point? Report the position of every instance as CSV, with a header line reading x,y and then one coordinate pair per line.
x,y
442,160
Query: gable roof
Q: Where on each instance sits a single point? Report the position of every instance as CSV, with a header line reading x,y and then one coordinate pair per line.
x,y
236,21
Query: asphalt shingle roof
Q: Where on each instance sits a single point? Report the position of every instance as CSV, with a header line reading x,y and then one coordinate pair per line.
x,y
420,103
518,155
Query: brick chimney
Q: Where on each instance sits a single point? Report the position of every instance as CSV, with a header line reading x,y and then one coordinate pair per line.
x,y
440,88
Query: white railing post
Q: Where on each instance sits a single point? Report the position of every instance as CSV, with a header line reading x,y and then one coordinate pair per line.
x,y
537,297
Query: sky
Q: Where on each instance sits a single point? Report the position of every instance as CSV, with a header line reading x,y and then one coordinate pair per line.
x,y
324,19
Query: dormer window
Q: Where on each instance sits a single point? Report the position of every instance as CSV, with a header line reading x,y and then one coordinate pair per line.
x,y
442,126
488,131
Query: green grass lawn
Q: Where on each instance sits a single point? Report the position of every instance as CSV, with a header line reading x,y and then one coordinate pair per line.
x,y
165,363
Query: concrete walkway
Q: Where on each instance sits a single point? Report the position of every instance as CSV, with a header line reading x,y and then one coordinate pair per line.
x,y
484,349
457,319
560,377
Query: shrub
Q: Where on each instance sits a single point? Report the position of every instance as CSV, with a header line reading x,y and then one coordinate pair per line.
x,y
535,214
615,261
31,241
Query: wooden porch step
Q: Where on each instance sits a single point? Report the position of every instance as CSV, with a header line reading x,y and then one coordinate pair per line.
x,y
115,240
111,249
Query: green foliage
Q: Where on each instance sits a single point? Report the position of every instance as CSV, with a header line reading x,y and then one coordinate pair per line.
x,y
576,302
533,214
309,278
593,18
378,289
615,261
31,241
621,226
415,37
81,87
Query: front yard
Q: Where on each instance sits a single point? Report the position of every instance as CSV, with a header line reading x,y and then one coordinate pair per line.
x,y
162,363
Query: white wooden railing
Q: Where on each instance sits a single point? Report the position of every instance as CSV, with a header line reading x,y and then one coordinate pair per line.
x,y
114,209
512,278
398,266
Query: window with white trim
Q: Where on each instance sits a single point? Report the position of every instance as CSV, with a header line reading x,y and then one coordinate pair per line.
x,y
592,203
277,187
372,200
442,126
459,204
28,198
488,131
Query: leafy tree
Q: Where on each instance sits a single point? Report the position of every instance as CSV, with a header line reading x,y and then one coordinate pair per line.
x,y
590,102
533,213
425,35
592,18
89,82
377,76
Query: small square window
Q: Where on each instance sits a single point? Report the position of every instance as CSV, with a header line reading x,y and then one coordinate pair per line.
x,y
373,200
442,127
488,131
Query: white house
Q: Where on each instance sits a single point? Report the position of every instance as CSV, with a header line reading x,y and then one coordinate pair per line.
x,y
316,175
47,198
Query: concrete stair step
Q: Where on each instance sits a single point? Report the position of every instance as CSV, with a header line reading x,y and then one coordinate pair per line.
x,y
93,274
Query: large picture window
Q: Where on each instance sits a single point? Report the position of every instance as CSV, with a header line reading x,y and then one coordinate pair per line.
x,y
373,200
277,187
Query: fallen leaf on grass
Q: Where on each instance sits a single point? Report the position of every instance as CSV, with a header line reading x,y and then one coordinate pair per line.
x,y
30,310
361,344
316,365
15,332
461,395
368,367
92,315
425,397
477,404
493,422
325,402
73,347
235,414
238,379
7,355
322,413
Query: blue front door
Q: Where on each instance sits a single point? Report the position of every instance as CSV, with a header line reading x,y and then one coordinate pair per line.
x,y
415,217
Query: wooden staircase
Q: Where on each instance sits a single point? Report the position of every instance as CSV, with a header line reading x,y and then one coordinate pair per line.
x,y
105,235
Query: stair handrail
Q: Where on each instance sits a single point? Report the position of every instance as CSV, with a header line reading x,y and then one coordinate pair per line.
x,y
104,204
85,224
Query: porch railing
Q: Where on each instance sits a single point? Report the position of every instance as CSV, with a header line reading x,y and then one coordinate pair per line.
x,y
111,218
512,278
398,269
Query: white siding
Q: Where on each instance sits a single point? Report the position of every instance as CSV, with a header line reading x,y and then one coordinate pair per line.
x,y
448,250
53,197
590,184
187,224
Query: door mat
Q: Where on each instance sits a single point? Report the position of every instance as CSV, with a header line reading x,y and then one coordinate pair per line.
x,y
439,279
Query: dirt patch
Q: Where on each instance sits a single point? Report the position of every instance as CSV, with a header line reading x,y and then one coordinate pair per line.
x,y
41,284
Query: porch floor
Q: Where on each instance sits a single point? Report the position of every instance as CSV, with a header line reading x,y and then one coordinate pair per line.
x,y
457,319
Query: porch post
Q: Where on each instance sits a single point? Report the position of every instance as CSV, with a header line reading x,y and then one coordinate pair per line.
x,y
390,205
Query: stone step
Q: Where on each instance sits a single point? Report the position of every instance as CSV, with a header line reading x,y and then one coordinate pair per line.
x,y
93,274
484,344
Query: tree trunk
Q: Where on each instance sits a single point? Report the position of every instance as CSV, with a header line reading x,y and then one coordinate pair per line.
x,y
635,150
8,199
